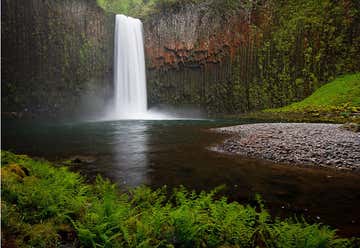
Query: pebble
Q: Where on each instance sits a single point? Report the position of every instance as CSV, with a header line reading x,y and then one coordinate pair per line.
x,y
296,143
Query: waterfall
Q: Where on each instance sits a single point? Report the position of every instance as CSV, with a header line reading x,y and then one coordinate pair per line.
x,y
130,96
129,68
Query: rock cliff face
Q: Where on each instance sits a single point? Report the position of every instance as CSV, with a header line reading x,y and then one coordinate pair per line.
x,y
190,51
227,59
194,36
57,55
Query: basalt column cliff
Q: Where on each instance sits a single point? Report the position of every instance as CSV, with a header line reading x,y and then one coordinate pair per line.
x,y
57,57
232,58
223,56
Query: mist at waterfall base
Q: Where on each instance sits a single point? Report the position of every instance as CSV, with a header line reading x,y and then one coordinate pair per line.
x,y
130,93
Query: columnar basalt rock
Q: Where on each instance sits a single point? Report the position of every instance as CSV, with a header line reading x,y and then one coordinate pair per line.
x,y
225,59
255,55
191,51
56,56
195,35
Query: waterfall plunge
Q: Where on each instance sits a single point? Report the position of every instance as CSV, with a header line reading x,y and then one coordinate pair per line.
x,y
130,100
129,69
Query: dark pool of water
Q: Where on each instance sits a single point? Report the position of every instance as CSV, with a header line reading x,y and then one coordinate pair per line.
x,y
175,153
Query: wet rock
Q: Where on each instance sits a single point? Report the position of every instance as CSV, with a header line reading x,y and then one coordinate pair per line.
x,y
81,159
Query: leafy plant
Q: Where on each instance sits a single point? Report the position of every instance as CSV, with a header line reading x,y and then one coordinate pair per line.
x,y
44,206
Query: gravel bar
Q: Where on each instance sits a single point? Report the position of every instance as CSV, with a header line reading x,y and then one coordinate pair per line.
x,y
295,143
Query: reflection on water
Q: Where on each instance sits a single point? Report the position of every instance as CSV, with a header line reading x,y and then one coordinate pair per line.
x,y
174,153
130,154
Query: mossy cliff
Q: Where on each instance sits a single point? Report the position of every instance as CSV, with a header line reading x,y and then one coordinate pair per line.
x,y
224,56
57,56
236,56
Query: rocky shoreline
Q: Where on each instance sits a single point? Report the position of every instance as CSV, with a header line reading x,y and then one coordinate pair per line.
x,y
323,145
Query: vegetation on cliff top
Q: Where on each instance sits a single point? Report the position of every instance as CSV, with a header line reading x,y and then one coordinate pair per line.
x,y
45,206
144,8
138,8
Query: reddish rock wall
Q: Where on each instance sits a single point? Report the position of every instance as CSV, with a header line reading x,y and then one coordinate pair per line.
x,y
196,36
191,50
255,55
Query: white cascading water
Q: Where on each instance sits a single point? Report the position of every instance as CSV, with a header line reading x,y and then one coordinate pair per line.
x,y
129,69
130,100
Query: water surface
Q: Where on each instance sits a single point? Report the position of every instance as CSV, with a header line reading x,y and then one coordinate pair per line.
x,y
174,153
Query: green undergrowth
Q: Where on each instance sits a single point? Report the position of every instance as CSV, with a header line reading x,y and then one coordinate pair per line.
x,y
340,95
47,206
337,101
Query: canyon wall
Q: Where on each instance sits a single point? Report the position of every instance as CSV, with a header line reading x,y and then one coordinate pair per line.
x,y
222,56
57,57
190,51
231,58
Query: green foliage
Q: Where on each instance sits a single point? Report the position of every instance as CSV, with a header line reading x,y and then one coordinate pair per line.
x,y
101,216
300,234
145,8
139,8
308,44
340,95
38,199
